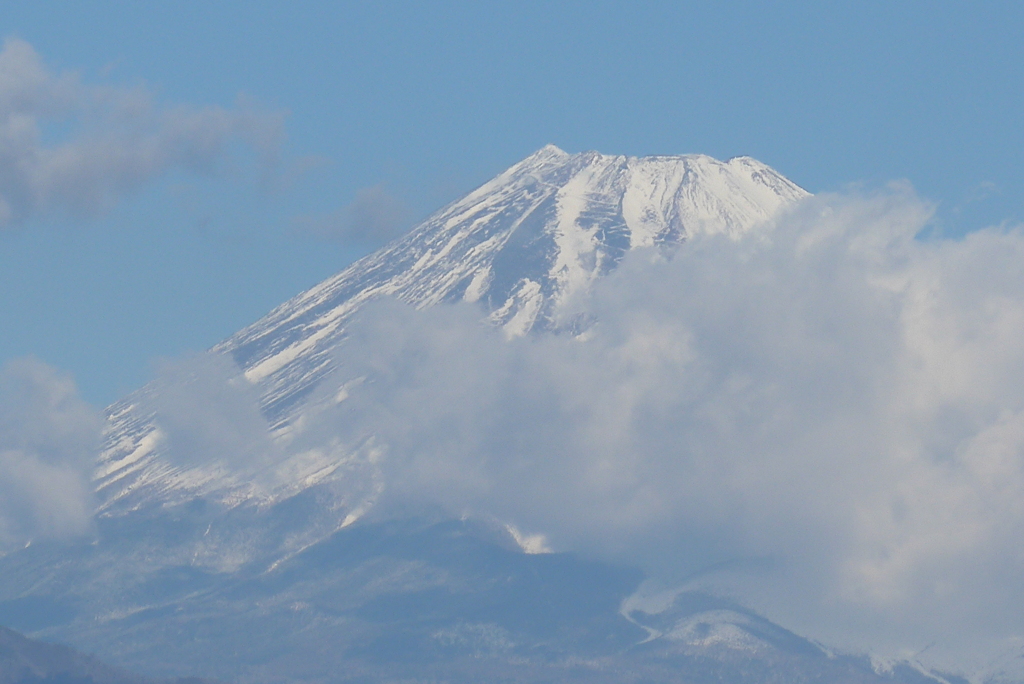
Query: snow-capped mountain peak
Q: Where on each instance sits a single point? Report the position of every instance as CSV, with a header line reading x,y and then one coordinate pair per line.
x,y
519,245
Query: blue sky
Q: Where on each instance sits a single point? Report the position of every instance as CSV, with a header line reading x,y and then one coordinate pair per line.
x,y
424,101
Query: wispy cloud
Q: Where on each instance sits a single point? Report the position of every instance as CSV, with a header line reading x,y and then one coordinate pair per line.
x,y
114,140
49,439
209,414
374,217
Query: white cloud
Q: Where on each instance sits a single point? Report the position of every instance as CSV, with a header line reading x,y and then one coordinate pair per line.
x,y
115,139
209,414
49,439
831,409
824,417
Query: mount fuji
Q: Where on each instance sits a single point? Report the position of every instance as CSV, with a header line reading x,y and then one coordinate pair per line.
x,y
266,566
521,245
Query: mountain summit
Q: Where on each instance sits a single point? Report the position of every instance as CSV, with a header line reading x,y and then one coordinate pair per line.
x,y
520,244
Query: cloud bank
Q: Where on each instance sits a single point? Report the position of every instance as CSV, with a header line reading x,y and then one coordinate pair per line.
x,y
116,139
824,418
49,439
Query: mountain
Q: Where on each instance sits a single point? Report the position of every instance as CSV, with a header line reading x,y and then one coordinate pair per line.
x,y
520,245
265,566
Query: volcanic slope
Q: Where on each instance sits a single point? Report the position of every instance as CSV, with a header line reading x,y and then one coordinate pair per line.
x,y
521,245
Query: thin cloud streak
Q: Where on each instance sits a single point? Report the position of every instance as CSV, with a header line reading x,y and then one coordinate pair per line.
x,y
373,218
118,139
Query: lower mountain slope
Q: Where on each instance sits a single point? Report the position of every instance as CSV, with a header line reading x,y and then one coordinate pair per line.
x,y
416,600
25,661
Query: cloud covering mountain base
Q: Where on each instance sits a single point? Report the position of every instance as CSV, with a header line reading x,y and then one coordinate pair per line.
x,y
824,417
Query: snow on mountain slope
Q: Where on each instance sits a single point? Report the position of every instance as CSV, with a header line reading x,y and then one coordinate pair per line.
x,y
520,245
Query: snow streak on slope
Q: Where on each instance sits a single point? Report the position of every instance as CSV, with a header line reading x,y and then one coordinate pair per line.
x,y
521,245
